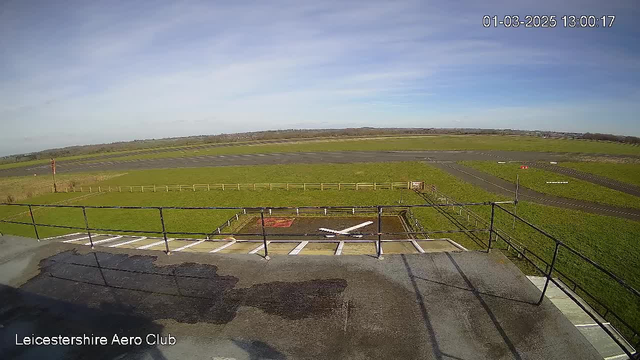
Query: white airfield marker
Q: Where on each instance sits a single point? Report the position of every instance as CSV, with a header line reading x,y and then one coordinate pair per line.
x,y
346,231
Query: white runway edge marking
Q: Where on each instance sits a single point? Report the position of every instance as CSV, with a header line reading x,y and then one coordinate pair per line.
x,y
298,248
129,242
259,248
80,238
189,245
339,249
104,241
223,247
153,244
417,246
59,236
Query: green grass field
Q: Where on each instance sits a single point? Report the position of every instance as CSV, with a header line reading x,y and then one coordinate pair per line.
x,y
450,142
536,179
609,241
628,173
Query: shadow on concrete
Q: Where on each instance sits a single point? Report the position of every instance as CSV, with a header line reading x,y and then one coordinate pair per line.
x,y
492,316
25,314
435,347
475,290
259,350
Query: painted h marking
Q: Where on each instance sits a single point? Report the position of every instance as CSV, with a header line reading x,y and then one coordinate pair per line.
x,y
223,247
298,248
153,244
189,245
105,240
128,242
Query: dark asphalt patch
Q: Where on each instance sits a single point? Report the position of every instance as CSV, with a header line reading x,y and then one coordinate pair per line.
x,y
186,293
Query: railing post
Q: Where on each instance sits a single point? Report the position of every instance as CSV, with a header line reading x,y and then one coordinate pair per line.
x,y
264,235
86,226
380,233
553,263
164,232
33,221
493,208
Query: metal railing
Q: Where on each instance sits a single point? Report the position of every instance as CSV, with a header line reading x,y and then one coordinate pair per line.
x,y
632,334
393,185
548,272
376,210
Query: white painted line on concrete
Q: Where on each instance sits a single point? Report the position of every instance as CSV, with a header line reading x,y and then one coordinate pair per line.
x,y
592,325
59,236
457,245
189,245
298,248
259,248
129,242
104,241
80,238
223,247
339,249
417,246
153,244
622,356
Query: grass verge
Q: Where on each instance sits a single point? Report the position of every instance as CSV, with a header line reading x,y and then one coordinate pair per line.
x,y
628,173
536,179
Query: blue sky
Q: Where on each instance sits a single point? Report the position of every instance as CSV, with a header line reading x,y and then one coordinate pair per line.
x,y
82,72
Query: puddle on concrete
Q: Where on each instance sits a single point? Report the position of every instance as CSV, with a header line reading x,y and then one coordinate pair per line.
x,y
187,292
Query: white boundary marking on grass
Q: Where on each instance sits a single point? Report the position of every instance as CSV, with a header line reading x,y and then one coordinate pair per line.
x,y
104,241
223,246
298,248
153,244
59,236
339,249
189,245
259,248
457,245
128,242
418,247
80,238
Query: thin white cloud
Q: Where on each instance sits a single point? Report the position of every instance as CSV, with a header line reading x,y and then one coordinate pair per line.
x,y
108,73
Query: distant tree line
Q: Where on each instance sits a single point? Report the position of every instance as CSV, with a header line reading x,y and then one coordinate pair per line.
x,y
293,134
608,137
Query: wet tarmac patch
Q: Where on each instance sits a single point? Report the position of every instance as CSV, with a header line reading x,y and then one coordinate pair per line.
x,y
186,293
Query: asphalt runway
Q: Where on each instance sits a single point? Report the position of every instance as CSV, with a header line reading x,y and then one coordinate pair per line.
x,y
339,157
